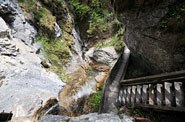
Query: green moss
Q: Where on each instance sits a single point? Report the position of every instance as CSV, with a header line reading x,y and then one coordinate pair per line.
x,y
55,48
119,46
68,38
28,5
110,43
59,9
58,53
45,18
42,15
116,41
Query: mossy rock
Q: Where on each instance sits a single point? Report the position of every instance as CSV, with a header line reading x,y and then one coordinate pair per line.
x,y
45,18
58,8
68,38
68,26
41,14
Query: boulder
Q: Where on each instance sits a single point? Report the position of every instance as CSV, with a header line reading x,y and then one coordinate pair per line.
x,y
106,55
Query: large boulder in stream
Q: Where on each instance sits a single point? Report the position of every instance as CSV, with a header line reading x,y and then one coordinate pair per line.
x,y
154,34
25,87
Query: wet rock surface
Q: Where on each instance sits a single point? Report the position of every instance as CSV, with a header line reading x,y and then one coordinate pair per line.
x,y
25,87
93,117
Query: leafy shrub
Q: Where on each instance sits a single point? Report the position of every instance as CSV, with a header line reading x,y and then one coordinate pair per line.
x,y
95,4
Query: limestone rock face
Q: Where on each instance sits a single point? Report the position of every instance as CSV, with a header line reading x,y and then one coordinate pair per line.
x,y
25,86
13,15
153,34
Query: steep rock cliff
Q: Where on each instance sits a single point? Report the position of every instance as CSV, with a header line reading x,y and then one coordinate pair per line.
x,y
154,34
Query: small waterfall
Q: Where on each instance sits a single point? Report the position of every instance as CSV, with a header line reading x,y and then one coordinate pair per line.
x,y
77,40
76,51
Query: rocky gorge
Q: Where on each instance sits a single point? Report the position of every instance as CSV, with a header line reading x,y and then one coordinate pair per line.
x,y
56,55
30,78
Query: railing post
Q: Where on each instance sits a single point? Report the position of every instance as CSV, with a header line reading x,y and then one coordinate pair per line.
x,y
179,94
159,94
168,94
145,94
138,94
151,94
128,94
120,97
125,95
133,96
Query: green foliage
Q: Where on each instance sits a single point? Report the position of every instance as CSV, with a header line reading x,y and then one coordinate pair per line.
x,y
87,118
121,117
116,110
55,48
28,5
45,18
95,3
96,98
114,41
133,111
110,43
64,121
119,46
58,53
96,23
79,9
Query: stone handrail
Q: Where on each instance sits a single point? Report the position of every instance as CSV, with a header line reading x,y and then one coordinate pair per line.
x,y
163,92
